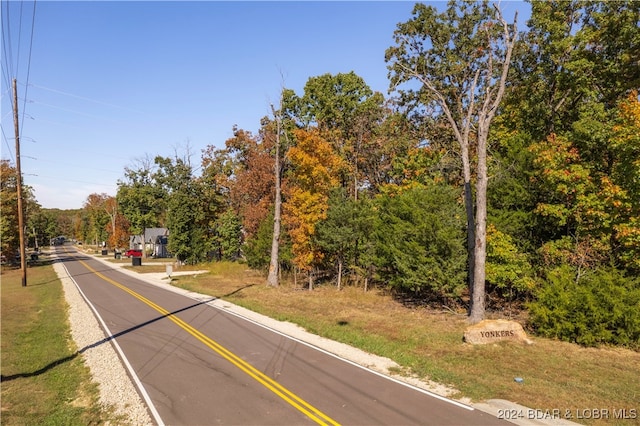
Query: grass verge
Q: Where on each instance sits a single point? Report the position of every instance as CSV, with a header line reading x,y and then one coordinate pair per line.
x,y
44,381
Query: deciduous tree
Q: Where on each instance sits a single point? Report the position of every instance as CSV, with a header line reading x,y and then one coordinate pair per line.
x,y
189,239
97,216
460,59
347,113
9,205
9,209
140,199
626,172
118,226
315,171
252,180
574,54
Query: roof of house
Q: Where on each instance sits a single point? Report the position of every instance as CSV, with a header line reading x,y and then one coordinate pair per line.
x,y
150,234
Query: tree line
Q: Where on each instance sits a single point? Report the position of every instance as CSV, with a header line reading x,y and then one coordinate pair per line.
x,y
502,171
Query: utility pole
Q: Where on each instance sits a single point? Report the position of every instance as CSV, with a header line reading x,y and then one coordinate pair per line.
x,y
23,251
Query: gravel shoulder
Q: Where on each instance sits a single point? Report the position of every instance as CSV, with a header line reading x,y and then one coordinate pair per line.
x,y
116,386
118,391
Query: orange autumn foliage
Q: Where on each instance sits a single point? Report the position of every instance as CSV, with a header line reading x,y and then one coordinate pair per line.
x,y
315,171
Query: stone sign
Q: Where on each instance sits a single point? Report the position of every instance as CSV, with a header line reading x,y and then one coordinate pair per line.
x,y
491,331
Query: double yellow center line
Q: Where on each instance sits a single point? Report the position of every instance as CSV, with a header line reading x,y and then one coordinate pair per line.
x,y
275,387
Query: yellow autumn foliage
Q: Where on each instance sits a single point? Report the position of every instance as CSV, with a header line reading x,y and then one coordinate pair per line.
x,y
315,171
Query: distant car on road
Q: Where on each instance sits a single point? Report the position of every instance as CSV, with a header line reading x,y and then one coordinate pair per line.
x,y
133,253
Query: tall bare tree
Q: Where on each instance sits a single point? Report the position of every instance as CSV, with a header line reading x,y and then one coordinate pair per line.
x,y
272,278
460,59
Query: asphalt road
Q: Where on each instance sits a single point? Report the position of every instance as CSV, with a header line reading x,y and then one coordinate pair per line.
x,y
200,365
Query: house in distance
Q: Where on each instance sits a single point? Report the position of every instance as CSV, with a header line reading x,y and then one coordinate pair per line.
x,y
153,242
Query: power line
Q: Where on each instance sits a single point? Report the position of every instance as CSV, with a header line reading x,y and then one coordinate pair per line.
x,y
87,99
58,178
6,141
11,65
95,169
73,111
6,44
33,22
5,76
19,39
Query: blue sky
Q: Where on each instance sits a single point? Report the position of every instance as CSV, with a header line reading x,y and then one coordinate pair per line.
x,y
112,82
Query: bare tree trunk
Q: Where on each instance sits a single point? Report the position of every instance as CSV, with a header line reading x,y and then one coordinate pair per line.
x,y
462,131
477,308
366,279
272,279
474,111
111,208
485,116
469,208
339,274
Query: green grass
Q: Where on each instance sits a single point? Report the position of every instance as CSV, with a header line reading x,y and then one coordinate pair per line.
x,y
44,381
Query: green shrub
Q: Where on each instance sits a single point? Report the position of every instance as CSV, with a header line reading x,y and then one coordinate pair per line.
x,y
420,242
602,307
228,236
257,249
508,271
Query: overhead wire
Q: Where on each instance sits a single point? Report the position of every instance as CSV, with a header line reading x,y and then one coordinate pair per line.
x,y
19,39
6,141
7,62
33,24
84,98
73,111
57,178
9,69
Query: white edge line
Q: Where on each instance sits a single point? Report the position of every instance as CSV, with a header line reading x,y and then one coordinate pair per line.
x,y
191,295
424,391
124,359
